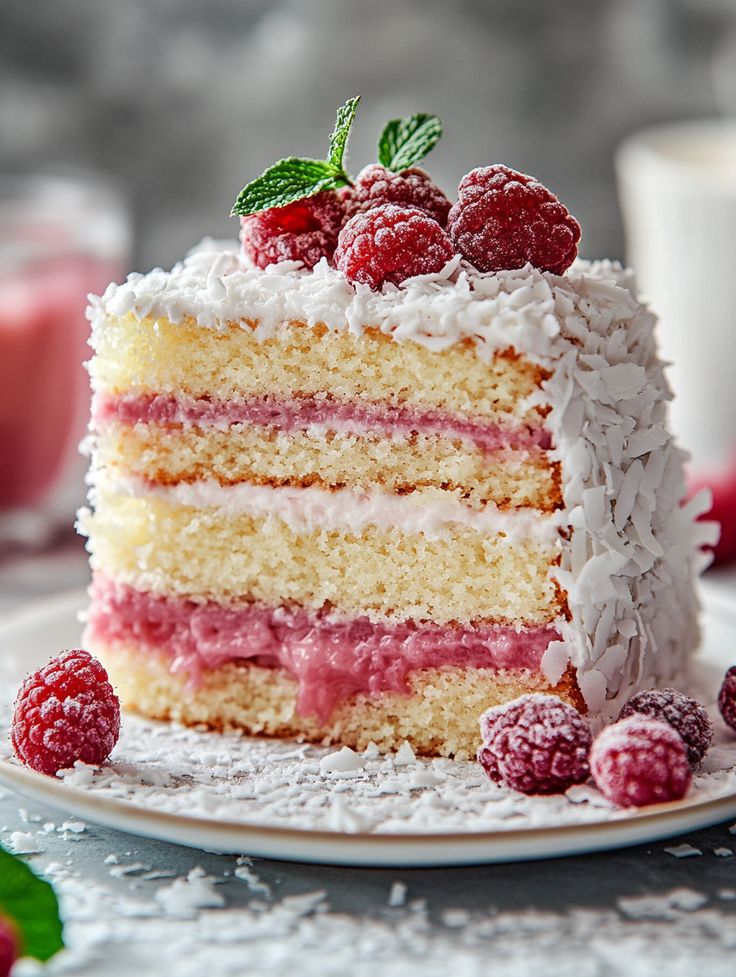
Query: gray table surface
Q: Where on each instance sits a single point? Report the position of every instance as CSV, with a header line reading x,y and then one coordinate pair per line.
x,y
138,907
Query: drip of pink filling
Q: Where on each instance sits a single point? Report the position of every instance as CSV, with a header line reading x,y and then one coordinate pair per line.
x,y
331,659
298,413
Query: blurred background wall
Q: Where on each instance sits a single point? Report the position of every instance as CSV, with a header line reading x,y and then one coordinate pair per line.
x,y
185,100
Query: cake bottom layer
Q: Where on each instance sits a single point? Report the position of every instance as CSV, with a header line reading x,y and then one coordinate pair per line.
x,y
439,716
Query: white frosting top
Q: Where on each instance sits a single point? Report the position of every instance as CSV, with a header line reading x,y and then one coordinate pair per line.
x,y
630,550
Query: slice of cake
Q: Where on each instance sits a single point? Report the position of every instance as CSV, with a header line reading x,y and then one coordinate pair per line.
x,y
382,468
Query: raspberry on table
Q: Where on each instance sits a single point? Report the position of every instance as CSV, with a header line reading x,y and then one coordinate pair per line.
x,y
727,698
639,761
536,744
8,947
685,715
305,231
504,219
391,244
64,712
375,185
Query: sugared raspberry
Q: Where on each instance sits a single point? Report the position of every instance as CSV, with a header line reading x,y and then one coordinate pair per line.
x,y
727,698
639,761
504,219
375,185
391,244
685,715
303,231
64,712
8,947
536,744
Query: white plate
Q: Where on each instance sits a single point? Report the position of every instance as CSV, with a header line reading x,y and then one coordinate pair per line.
x,y
272,798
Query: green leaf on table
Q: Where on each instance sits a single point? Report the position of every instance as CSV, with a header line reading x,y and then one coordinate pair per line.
x,y
30,903
283,183
339,136
405,141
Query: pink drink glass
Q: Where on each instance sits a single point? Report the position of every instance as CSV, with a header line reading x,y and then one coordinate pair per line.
x,y
60,238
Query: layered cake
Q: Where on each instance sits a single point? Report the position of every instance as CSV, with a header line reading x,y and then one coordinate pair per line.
x,y
379,467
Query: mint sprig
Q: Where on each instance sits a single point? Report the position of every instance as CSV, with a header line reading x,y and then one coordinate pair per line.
x,y
295,177
31,906
405,141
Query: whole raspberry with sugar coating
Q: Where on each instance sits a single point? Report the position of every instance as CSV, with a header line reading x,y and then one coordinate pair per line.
x,y
727,698
391,244
504,219
536,744
639,761
375,185
64,712
8,947
304,231
685,715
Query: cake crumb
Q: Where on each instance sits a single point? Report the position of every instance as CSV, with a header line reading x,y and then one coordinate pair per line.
x,y
683,851
397,894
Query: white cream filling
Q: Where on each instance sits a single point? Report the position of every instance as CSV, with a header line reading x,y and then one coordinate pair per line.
x,y
311,509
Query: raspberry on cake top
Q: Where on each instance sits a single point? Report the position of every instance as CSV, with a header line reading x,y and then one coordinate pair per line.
x,y
388,464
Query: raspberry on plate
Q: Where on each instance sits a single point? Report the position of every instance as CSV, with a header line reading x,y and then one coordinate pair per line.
x,y
8,947
727,698
536,744
685,715
639,761
375,185
303,231
391,244
504,219
64,712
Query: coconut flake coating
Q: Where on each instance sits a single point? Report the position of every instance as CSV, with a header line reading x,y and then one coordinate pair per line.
x,y
684,714
536,744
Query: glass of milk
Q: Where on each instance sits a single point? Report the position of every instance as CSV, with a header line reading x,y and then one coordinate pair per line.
x,y
677,186
61,237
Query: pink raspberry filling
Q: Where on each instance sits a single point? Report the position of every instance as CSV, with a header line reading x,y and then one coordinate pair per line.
x,y
296,414
331,659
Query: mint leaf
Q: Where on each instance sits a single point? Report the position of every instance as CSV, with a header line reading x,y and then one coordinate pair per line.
x,y
339,137
30,903
405,141
288,180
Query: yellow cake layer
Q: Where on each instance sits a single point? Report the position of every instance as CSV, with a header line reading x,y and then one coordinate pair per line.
x,y
262,455
154,544
440,717
162,357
